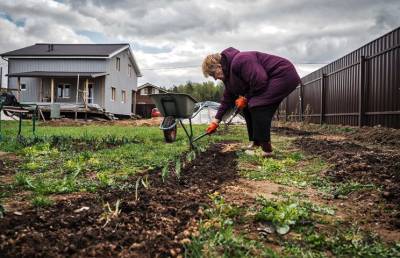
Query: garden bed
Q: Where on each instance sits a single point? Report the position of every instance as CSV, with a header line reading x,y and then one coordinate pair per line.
x,y
106,190
149,221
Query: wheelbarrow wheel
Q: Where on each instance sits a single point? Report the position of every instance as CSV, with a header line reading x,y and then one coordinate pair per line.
x,y
170,134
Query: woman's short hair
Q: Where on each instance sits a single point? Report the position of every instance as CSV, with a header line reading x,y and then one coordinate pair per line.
x,y
210,63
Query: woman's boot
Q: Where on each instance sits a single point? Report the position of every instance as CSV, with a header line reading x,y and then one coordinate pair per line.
x,y
252,145
267,149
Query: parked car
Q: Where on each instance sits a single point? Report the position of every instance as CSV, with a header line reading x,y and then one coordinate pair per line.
x,y
155,112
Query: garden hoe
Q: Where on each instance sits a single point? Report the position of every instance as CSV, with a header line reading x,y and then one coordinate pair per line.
x,y
236,111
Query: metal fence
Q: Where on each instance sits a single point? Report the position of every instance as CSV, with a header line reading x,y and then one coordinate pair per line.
x,y
361,88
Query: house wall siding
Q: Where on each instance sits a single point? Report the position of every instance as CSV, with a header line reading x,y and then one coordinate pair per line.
x,y
120,80
57,65
31,93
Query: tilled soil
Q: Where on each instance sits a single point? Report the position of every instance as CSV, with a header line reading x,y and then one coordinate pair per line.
x,y
356,163
150,226
291,131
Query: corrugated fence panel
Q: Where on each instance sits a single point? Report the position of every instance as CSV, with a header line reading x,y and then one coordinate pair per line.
x,y
294,106
370,74
312,101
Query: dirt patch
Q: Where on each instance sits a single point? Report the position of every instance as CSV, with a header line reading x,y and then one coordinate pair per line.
x,y
355,163
126,122
155,121
245,191
149,226
8,163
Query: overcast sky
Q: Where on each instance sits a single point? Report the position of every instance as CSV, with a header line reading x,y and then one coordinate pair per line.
x,y
177,34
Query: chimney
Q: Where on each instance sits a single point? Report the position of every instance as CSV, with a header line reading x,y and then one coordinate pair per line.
x,y
50,47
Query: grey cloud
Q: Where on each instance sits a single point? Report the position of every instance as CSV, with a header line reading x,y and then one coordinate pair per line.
x,y
181,32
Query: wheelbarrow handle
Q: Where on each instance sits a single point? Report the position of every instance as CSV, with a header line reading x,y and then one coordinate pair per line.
x,y
199,137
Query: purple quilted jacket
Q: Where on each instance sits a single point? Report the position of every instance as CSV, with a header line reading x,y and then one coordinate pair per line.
x,y
262,78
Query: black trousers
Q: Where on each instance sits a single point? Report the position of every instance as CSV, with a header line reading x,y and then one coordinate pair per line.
x,y
258,121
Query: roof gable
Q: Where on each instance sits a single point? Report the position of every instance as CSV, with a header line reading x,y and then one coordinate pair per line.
x,y
49,50
54,50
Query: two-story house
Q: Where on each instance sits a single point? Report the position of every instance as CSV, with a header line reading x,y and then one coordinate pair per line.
x,y
144,104
75,75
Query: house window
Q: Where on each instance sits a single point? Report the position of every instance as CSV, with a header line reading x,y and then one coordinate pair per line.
x,y
118,64
113,93
63,90
149,91
23,86
123,94
129,70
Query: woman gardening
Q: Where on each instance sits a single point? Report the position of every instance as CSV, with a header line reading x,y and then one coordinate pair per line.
x,y
256,83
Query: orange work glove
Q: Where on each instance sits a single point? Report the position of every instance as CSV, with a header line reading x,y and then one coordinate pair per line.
x,y
241,102
212,128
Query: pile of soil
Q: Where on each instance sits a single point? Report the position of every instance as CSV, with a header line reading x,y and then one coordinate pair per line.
x,y
356,163
152,225
378,135
155,121
375,135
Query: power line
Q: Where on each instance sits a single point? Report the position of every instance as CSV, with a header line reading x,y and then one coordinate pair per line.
x,y
198,66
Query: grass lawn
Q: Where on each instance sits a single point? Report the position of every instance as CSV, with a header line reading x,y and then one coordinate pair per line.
x,y
80,159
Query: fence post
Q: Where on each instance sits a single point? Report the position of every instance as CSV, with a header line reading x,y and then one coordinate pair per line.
x,y
361,92
322,107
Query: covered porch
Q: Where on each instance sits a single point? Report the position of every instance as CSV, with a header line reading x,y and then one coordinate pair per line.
x,y
61,87
73,91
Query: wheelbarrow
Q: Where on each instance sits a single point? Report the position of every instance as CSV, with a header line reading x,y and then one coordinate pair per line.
x,y
175,107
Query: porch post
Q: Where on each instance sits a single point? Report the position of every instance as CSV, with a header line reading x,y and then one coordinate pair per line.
x,y
52,91
19,89
41,90
86,93
77,98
